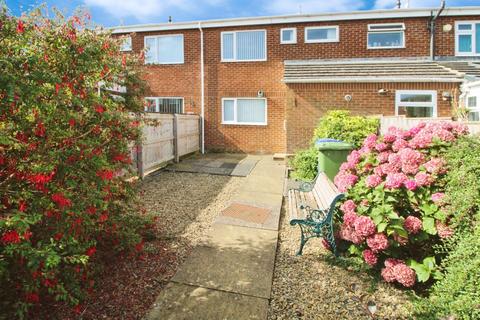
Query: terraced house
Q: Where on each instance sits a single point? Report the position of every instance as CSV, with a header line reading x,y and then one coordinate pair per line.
x,y
262,83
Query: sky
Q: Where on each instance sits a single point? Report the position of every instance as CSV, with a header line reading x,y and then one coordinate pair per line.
x,y
124,12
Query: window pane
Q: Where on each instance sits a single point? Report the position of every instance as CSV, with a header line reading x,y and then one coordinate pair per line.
x,y
464,43
228,110
287,35
474,116
150,48
477,38
170,49
126,44
416,97
251,110
322,34
416,112
385,39
464,27
227,46
170,105
151,105
472,102
251,45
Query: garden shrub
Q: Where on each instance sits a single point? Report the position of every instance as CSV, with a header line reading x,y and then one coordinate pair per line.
x,y
305,163
395,208
340,125
65,159
456,295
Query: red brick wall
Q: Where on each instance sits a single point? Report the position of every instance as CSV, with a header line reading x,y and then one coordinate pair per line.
x,y
244,79
308,102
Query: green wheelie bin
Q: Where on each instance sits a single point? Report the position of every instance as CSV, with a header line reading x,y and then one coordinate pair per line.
x,y
332,153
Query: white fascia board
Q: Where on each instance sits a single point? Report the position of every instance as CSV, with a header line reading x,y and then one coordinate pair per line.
x,y
370,80
298,18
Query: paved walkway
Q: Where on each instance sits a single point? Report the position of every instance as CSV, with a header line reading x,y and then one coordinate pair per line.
x,y
229,276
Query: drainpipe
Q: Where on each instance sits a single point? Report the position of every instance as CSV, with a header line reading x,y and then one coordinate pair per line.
x,y
202,84
431,28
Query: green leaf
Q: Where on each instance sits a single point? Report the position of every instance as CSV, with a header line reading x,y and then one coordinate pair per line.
x,y
429,225
422,271
381,226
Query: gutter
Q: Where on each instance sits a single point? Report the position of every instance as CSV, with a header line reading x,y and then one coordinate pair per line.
x,y
431,27
202,88
370,80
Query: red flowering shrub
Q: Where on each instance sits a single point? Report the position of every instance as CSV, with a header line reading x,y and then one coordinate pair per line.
x,y
395,208
64,157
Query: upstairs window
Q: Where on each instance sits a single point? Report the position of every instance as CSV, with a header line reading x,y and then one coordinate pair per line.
x,y
321,34
288,36
386,36
167,49
164,104
126,44
244,45
467,38
246,111
416,103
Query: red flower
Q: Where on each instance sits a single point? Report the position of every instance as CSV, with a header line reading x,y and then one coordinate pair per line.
x,y
99,108
103,217
22,206
91,251
27,235
139,246
105,174
91,210
58,236
77,309
80,50
32,297
61,201
11,237
57,88
71,122
20,27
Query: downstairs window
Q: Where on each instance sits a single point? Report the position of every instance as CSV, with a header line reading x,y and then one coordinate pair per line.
x,y
416,103
164,105
246,111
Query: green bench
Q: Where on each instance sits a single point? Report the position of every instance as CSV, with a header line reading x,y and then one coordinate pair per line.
x,y
311,207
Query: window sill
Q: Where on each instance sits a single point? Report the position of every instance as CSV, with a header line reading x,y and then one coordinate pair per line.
x,y
163,63
322,41
244,124
379,48
257,60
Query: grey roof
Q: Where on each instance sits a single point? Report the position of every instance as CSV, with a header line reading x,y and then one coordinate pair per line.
x,y
369,70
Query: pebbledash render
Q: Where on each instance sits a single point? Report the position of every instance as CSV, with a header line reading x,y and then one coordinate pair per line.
x,y
262,83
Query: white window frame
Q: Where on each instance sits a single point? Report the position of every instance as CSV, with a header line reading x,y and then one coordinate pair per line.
x,y
126,44
471,33
235,46
337,33
164,36
235,122
399,104
293,41
157,103
386,30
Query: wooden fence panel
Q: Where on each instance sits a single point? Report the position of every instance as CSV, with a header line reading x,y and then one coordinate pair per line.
x,y
167,138
187,134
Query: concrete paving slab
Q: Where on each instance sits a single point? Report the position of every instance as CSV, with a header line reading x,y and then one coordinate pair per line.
x,y
267,184
233,260
244,168
184,302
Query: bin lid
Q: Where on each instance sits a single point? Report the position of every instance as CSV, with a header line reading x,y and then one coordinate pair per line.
x,y
332,144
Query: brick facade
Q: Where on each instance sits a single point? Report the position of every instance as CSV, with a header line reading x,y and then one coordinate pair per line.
x,y
293,110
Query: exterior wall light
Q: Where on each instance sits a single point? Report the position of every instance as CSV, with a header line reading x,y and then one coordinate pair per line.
x,y
446,95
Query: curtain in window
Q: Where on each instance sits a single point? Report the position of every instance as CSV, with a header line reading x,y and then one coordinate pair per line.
x,y
251,45
228,46
465,43
251,110
477,38
170,49
151,49
167,105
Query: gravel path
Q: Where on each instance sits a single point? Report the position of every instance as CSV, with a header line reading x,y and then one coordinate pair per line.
x,y
186,205
313,286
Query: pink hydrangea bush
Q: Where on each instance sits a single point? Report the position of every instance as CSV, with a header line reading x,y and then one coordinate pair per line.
x,y
394,198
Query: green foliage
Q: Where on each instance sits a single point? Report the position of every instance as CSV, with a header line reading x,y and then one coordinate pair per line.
x,y
456,294
305,163
340,125
66,199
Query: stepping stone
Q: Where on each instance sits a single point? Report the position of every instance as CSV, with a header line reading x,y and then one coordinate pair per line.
x,y
233,259
179,301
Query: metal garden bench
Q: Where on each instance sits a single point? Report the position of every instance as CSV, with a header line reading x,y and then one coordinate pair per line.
x,y
311,207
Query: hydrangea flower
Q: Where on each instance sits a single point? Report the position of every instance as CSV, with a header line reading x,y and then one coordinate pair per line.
x,y
404,275
438,197
370,141
354,157
389,138
381,147
345,180
410,185
395,180
349,218
377,242
443,230
383,156
364,226
373,180
435,165
348,206
423,179
348,233
399,144
370,257
411,160
412,224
